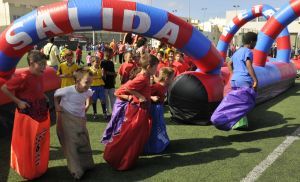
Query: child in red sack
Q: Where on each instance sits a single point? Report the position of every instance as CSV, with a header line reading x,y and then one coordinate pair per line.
x,y
30,139
124,148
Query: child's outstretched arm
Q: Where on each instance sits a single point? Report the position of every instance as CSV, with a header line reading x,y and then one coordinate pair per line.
x,y
21,104
252,73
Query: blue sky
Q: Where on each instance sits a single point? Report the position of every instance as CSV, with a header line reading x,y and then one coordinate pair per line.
x,y
205,9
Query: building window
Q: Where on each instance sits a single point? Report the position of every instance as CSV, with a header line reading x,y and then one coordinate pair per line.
x,y
15,17
33,7
261,19
254,20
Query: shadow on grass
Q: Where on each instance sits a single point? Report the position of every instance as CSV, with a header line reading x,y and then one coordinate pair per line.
x,y
56,153
147,167
285,130
260,117
99,119
195,144
263,119
4,158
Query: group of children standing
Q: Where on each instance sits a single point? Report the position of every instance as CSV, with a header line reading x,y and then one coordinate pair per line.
x,y
103,71
137,122
137,114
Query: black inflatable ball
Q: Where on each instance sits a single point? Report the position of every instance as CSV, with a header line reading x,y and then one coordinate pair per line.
x,y
188,101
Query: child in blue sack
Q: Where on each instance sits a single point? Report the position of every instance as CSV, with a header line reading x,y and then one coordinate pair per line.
x,y
159,139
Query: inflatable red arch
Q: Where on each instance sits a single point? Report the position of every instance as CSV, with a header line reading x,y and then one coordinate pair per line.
x,y
120,16
273,77
273,72
283,40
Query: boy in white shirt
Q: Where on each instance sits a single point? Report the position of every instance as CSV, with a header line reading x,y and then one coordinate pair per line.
x,y
71,104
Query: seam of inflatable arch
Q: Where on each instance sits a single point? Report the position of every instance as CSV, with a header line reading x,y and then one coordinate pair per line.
x,y
283,40
121,16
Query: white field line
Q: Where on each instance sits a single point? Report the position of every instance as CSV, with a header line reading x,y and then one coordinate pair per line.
x,y
271,158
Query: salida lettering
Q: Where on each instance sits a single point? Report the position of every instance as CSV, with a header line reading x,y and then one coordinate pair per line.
x,y
45,24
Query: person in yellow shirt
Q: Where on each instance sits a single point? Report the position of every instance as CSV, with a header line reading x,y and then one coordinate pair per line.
x,y
97,87
66,69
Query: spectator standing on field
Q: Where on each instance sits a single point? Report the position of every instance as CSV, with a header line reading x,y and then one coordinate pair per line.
x,y
51,50
109,77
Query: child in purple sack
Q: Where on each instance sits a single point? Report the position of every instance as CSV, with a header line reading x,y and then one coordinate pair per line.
x,y
241,67
241,99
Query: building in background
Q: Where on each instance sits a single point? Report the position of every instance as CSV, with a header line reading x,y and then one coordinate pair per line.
x,y
212,28
11,10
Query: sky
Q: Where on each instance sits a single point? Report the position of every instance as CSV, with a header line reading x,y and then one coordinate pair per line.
x,y
205,9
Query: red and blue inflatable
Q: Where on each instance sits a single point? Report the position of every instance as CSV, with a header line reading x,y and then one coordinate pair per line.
x,y
124,16
283,40
273,77
120,16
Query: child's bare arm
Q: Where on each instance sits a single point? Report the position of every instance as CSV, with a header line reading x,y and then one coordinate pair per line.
x,y
58,108
103,72
65,76
229,65
252,73
125,97
154,98
88,103
21,104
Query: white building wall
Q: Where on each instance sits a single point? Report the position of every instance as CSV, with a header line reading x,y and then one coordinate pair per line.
x,y
4,14
12,9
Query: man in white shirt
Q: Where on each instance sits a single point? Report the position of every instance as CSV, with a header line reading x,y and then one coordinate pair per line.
x,y
51,49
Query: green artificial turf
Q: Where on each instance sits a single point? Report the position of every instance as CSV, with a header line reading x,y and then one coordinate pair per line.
x,y
286,168
196,153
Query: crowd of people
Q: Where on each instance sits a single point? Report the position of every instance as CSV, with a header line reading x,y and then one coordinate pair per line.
x,y
136,122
